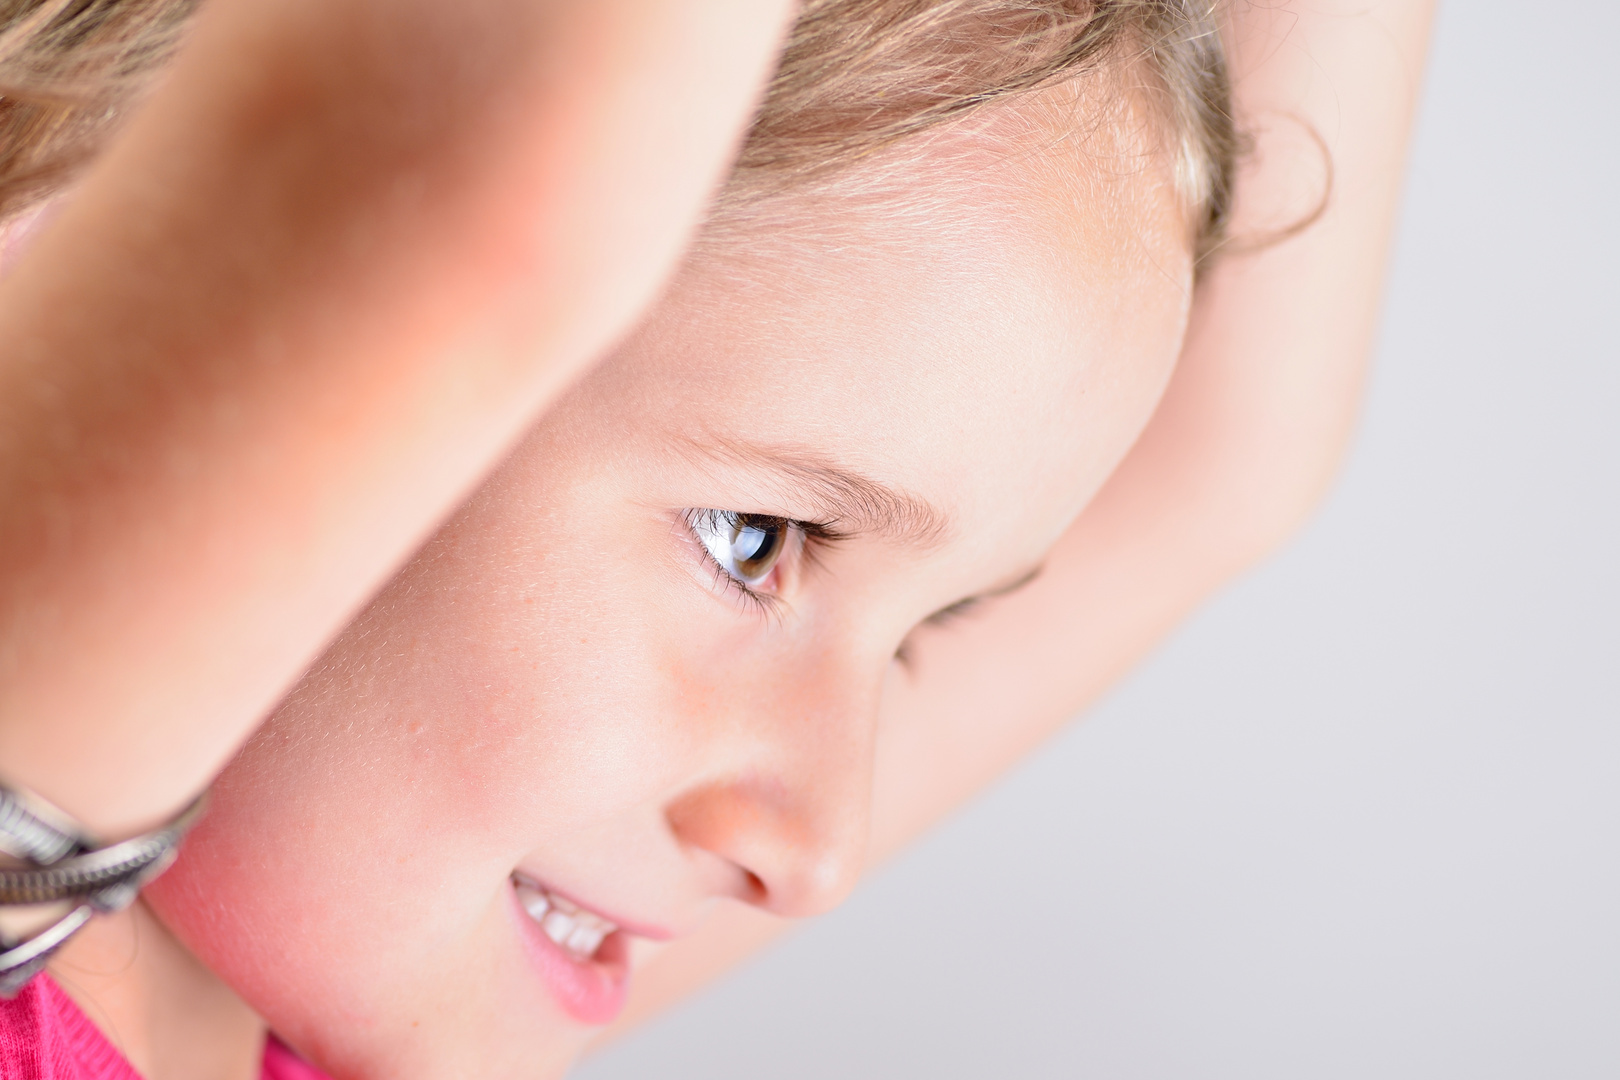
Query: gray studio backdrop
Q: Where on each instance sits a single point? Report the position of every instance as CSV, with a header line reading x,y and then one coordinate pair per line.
x,y
1361,817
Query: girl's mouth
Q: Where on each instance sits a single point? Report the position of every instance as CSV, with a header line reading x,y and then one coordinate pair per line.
x,y
577,932
583,958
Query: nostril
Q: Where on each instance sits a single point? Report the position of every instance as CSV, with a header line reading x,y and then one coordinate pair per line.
x,y
754,887
782,857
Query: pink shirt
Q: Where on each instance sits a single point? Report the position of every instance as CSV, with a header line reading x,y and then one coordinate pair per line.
x,y
44,1036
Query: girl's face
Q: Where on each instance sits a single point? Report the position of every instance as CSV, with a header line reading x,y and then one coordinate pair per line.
x,y
641,671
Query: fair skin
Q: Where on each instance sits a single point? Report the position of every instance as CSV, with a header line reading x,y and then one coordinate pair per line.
x,y
326,277
559,685
591,710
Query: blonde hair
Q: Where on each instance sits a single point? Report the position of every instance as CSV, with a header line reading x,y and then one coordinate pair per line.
x,y
856,76
861,75
68,69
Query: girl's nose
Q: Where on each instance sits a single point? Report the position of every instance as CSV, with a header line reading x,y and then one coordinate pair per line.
x,y
791,817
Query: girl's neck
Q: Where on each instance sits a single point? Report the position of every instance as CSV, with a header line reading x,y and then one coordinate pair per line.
x,y
170,1016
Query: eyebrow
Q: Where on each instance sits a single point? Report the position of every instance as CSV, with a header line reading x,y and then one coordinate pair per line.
x,y
850,503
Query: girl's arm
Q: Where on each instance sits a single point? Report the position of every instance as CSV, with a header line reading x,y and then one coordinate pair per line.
x,y
1243,445
341,256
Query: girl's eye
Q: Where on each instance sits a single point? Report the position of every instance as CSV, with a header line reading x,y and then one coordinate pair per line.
x,y
747,546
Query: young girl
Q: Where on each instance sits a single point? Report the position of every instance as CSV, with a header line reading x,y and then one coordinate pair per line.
x,y
609,596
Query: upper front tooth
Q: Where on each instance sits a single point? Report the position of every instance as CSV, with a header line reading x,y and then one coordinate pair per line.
x,y
585,940
558,926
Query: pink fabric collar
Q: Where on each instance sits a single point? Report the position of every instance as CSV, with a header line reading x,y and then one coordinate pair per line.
x,y
45,1036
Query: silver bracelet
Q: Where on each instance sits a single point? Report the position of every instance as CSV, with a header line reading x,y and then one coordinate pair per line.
x,y
66,864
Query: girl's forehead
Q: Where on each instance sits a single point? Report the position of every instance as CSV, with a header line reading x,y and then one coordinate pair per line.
x,y
971,343
982,233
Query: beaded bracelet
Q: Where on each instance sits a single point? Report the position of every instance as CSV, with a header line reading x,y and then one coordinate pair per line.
x,y
66,864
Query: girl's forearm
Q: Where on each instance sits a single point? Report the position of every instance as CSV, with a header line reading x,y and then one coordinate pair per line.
x,y
334,265
1244,444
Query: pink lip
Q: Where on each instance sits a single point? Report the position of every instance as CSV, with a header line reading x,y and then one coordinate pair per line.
x,y
591,991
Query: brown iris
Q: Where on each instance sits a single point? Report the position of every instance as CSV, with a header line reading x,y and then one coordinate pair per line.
x,y
756,543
